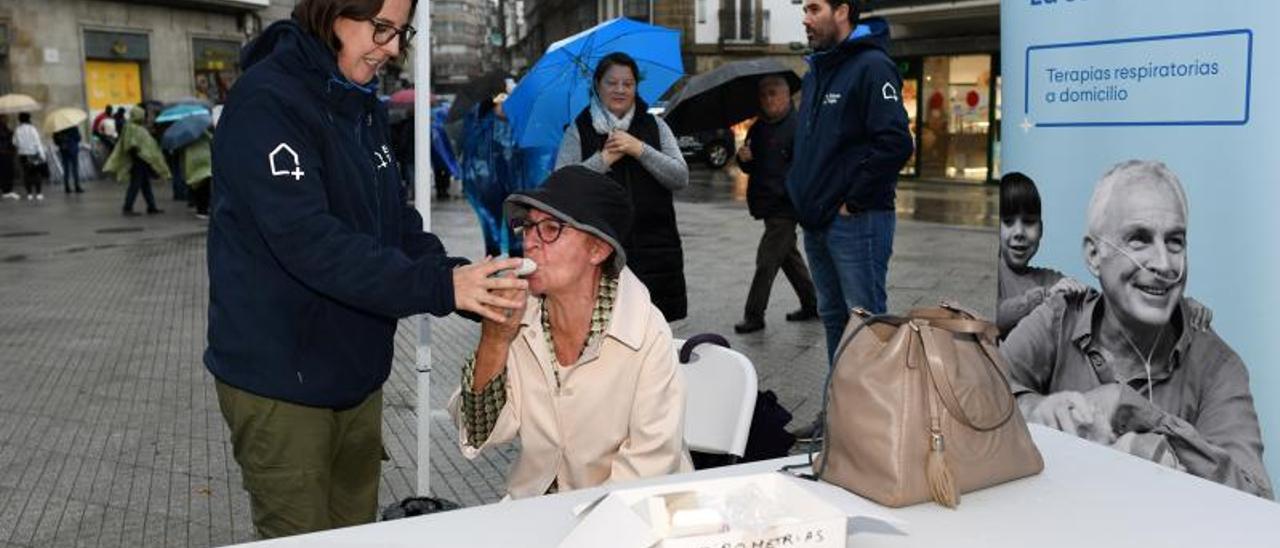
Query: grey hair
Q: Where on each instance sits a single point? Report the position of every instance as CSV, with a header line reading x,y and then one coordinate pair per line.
x,y
1126,174
772,80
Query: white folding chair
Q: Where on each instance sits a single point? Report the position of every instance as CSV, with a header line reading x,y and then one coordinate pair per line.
x,y
720,399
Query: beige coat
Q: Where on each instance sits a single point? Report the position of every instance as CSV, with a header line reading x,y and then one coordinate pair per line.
x,y
618,415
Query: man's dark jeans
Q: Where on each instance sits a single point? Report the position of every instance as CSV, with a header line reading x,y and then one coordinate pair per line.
x,y
850,262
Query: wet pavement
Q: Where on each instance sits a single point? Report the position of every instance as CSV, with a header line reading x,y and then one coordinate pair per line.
x,y
948,202
110,433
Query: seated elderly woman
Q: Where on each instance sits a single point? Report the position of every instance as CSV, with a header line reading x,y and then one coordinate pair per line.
x,y
586,375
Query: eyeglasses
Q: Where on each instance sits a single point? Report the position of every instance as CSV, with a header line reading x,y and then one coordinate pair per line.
x,y
548,230
384,31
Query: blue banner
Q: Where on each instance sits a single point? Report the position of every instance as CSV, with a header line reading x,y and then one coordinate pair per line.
x,y
1151,133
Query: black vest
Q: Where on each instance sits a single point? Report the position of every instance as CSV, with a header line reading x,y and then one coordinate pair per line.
x,y
653,248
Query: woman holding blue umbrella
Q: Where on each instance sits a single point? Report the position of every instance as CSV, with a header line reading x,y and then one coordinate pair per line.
x,y
615,135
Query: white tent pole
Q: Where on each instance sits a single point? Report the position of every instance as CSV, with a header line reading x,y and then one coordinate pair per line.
x,y
422,174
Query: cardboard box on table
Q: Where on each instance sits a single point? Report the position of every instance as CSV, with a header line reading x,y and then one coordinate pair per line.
x,y
622,518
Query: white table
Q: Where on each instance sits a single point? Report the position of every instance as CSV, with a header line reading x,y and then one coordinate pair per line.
x,y
1087,496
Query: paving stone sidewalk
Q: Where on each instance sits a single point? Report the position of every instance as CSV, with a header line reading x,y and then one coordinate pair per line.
x,y
110,433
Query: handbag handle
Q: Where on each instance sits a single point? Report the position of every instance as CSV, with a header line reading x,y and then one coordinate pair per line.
x,y
942,383
946,318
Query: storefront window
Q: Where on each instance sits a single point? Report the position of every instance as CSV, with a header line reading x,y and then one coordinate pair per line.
x,y
114,68
910,101
216,68
956,117
910,71
112,83
995,137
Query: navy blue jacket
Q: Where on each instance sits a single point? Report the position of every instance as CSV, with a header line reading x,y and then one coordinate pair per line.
x,y
852,137
68,140
313,254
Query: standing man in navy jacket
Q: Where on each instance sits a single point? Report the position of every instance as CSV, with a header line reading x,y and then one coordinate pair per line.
x,y
313,256
851,142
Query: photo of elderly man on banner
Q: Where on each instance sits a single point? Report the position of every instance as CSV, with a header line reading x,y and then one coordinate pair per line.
x,y
1127,365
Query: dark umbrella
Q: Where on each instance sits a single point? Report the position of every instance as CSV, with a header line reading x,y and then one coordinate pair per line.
x,y
724,96
185,131
481,88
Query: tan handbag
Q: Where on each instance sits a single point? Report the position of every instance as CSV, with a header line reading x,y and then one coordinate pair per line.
x,y
918,408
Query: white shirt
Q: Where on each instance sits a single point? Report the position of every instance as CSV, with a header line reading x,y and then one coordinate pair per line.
x,y
108,127
27,139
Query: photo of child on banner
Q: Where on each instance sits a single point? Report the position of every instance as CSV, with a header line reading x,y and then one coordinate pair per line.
x,y
1135,363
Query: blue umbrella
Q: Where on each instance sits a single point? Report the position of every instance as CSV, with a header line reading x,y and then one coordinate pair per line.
x,y
184,132
178,112
557,87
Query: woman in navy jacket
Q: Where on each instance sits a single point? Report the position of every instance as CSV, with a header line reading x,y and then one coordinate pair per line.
x,y
313,256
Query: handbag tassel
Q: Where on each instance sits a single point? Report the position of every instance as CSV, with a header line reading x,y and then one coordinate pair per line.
x,y
942,486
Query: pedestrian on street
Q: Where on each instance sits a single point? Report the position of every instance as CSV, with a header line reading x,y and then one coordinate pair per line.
x,y
402,147
197,164
765,158
178,179
68,141
104,128
851,141
443,161
137,158
615,135
487,172
95,127
118,118
313,258
32,157
8,160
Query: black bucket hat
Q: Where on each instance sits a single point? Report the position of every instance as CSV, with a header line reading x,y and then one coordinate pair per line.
x,y
583,199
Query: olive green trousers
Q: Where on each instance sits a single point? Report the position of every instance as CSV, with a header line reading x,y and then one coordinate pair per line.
x,y
305,468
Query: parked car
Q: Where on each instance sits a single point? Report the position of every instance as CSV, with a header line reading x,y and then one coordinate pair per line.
x,y
714,147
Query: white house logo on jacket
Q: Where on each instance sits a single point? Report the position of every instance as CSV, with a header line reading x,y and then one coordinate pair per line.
x,y
280,162
383,157
832,98
890,94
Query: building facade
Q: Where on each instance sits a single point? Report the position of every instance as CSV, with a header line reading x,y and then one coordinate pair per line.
x,y
466,41
92,53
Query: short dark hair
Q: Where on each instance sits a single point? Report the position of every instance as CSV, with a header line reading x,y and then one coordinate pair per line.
x,y
24,118
1018,196
855,8
317,16
616,58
